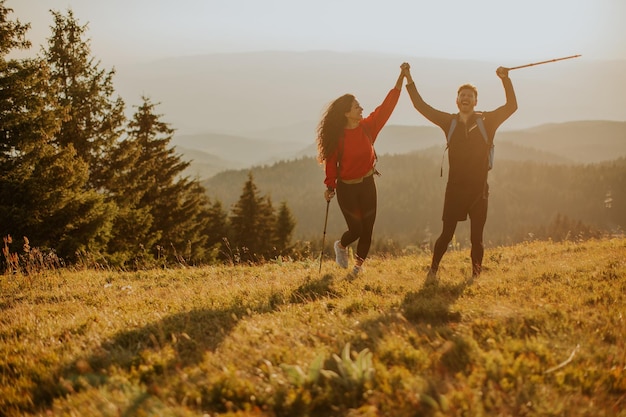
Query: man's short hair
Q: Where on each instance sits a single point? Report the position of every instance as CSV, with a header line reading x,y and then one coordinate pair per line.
x,y
468,87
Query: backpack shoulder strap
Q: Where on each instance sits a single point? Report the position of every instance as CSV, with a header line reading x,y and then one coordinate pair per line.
x,y
451,130
480,122
453,124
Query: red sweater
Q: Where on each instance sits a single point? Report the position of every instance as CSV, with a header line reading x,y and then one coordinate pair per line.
x,y
357,148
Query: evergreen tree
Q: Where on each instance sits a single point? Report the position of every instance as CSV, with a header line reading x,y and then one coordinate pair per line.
x,y
12,33
132,230
157,206
243,218
94,119
188,219
285,223
252,223
217,230
266,244
42,185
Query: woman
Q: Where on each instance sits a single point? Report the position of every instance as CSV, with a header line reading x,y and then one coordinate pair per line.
x,y
345,143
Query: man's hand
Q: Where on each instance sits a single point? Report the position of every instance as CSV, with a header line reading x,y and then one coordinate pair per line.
x,y
502,72
406,71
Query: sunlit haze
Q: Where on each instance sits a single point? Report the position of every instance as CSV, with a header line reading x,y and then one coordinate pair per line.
x,y
233,66
456,29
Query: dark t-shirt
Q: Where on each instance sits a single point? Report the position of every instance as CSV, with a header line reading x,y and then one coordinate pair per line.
x,y
468,153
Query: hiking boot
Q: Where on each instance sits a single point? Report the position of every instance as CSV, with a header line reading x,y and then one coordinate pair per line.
x,y
341,255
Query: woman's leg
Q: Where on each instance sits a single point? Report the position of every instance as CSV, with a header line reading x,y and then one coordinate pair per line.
x,y
348,200
368,203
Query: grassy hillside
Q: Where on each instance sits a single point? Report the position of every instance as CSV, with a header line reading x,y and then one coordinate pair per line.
x,y
541,333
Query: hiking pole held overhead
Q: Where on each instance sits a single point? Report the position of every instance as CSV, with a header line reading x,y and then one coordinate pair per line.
x,y
324,237
543,62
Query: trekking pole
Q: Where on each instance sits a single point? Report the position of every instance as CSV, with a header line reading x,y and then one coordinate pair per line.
x,y
324,237
543,62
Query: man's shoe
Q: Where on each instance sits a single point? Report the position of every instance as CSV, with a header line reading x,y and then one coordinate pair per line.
x,y
341,255
476,270
431,276
356,270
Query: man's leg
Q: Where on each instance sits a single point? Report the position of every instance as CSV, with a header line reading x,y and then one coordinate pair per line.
x,y
441,245
478,218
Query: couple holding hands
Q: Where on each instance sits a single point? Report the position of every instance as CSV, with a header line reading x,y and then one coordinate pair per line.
x,y
345,142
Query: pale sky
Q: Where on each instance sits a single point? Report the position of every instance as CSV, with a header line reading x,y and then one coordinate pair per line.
x,y
512,32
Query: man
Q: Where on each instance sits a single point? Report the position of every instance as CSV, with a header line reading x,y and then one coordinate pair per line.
x,y
470,137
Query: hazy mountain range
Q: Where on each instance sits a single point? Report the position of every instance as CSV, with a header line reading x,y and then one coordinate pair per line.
x,y
232,111
570,142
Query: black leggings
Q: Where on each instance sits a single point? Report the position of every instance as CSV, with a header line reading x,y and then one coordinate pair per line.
x,y
358,205
478,218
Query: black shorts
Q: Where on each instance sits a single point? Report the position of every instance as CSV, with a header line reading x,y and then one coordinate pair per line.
x,y
460,202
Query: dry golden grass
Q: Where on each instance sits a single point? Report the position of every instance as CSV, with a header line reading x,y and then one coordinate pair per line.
x,y
541,333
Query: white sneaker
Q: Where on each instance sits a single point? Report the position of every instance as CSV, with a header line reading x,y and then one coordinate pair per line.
x,y
341,255
356,270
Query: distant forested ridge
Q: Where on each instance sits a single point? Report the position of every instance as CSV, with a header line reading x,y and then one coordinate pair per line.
x,y
528,199
582,142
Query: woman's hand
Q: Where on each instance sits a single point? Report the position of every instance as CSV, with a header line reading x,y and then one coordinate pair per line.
x,y
401,76
329,194
406,71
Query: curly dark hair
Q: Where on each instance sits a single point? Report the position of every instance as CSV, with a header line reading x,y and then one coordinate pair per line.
x,y
331,126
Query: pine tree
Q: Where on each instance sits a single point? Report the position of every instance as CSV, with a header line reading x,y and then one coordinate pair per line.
x,y
12,33
217,231
256,229
157,206
266,246
186,231
94,119
132,229
285,223
42,185
252,223
244,217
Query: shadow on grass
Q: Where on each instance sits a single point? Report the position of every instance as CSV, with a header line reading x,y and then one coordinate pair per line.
x,y
314,289
152,351
195,332
176,341
431,304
